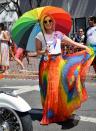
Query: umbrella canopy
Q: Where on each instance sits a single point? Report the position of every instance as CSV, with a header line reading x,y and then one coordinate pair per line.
x,y
28,25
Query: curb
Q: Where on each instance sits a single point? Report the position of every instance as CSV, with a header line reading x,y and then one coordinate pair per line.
x,y
20,76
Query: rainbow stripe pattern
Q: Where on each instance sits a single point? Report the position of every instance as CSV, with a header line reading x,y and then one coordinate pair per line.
x,y
25,29
62,84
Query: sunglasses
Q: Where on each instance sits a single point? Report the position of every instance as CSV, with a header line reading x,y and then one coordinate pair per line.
x,y
47,21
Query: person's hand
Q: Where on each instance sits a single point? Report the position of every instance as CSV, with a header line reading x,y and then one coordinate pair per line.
x,y
88,49
81,43
46,52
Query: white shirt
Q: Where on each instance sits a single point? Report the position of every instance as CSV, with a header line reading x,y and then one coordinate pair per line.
x,y
91,36
51,41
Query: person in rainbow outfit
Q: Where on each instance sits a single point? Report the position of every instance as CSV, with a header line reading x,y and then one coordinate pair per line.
x,y
61,77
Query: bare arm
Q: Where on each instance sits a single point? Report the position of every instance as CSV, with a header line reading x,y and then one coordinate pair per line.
x,y
39,47
32,54
6,36
69,41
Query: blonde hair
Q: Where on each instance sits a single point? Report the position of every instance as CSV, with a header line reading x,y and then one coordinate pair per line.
x,y
42,22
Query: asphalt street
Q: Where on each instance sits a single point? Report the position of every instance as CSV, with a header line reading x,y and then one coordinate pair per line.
x,y
84,118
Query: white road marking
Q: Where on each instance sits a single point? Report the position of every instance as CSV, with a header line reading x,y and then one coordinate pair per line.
x,y
88,119
23,89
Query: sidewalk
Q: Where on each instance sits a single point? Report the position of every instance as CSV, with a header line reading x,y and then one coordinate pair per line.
x,y
31,70
91,76
22,75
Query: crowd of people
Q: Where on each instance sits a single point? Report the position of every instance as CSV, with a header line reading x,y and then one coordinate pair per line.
x,y
88,37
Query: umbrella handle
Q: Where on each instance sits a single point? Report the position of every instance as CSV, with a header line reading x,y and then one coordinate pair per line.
x,y
42,32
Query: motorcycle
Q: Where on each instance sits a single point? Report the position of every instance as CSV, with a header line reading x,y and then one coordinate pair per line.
x,y
14,113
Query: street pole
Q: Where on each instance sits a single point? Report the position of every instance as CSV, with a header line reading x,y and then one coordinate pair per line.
x,y
68,5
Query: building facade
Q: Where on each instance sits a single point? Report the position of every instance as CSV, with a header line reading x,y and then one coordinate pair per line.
x,y
80,10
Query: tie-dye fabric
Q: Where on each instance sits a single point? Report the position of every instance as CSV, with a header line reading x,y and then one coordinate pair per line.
x,y
62,84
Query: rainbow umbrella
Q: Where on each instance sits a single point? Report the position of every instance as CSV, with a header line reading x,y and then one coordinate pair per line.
x,y
28,25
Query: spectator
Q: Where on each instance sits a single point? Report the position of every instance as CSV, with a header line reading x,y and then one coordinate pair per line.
x,y
4,50
19,56
91,37
80,38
